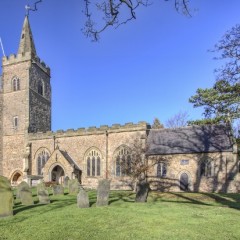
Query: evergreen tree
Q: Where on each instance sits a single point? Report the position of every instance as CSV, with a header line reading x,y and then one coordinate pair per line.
x,y
157,124
222,102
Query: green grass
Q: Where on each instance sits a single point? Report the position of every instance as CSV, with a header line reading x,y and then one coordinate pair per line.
x,y
165,216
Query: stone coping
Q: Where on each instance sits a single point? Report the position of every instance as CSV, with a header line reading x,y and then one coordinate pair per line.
x,y
128,127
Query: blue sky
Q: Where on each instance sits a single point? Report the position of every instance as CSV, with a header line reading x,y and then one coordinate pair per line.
x,y
148,68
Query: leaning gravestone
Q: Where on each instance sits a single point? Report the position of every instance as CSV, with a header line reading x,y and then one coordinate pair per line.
x,y
142,191
65,182
82,199
25,194
22,185
103,192
74,186
6,198
58,190
43,196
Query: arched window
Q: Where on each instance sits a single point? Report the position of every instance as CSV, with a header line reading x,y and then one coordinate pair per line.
x,y
93,159
40,88
122,158
207,168
161,169
16,84
42,158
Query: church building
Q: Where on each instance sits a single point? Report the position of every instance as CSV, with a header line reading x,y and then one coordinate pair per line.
x,y
194,158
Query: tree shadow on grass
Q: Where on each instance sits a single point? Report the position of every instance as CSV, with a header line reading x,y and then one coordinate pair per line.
x,y
121,196
230,200
53,205
207,199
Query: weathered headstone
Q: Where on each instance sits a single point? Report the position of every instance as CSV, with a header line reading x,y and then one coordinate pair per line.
x,y
65,182
6,198
43,196
103,192
58,190
41,186
82,199
24,193
142,191
22,186
26,196
74,186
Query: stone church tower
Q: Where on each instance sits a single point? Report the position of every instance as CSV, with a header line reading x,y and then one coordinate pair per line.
x,y
25,103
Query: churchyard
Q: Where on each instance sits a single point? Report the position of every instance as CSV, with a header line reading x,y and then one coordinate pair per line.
x,y
163,216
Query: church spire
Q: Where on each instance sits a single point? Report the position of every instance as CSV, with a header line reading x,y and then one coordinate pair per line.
x,y
26,41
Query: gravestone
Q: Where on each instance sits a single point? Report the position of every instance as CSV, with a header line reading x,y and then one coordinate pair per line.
x,y
103,192
74,186
82,199
65,182
43,196
23,185
58,190
26,196
142,191
41,187
6,198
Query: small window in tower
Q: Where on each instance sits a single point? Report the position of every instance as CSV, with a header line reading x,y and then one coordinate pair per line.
x,y
15,122
40,88
22,35
16,84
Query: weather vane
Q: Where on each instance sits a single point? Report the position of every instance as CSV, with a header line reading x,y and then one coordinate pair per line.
x,y
28,8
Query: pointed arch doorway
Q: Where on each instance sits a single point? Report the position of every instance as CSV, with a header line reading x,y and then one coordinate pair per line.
x,y
57,174
184,182
16,178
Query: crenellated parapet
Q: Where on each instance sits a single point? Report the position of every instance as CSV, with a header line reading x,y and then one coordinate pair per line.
x,y
115,128
13,59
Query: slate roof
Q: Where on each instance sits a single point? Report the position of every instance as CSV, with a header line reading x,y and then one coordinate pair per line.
x,y
192,139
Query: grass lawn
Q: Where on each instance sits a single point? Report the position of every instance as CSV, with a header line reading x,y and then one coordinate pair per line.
x,y
164,216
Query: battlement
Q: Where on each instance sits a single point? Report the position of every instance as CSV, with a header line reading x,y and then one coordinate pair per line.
x,y
13,59
115,128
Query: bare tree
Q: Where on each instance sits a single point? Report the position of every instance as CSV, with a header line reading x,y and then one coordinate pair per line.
x,y
178,120
112,13
117,12
136,166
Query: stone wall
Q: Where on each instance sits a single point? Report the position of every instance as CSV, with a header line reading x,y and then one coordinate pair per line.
x,y
13,153
225,176
26,105
76,143
1,128
40,105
